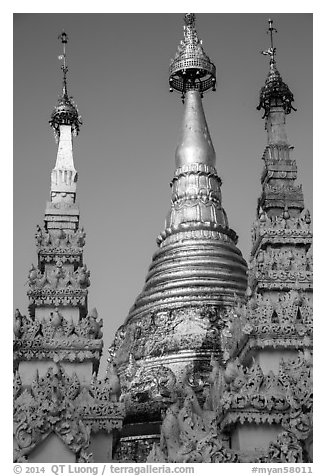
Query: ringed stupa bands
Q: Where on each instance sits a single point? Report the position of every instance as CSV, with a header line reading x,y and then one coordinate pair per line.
x,y
197,270
197,260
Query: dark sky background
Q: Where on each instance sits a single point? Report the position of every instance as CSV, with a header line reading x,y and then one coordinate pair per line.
x,y
118,75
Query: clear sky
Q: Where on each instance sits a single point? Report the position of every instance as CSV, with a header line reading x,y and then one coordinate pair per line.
x,y
118,75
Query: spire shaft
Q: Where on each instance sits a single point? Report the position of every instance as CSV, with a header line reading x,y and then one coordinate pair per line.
x,y
195,144
275,126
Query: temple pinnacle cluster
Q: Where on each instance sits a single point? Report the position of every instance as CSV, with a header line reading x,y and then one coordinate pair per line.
x,y
213,362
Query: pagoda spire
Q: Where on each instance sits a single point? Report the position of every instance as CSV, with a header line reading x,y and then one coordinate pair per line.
x,y
280,194
278,313
197,272
57,348
196,211
192,73
65,122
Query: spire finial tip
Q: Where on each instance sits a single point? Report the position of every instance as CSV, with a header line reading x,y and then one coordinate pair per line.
x,y
275,89
190,18
66,111
191,68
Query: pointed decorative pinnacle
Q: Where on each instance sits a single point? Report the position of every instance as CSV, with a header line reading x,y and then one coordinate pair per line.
x,y
64,40
275,92
66,112
191,69
271,50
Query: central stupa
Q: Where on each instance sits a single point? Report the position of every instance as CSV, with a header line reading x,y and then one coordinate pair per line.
x,y
196,276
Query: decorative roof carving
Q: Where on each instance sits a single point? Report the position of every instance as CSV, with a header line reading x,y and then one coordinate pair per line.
x,y
49,407
280,320
56,242
59,278
59,403
280,230
57,338
192,433
274,267
285,398
57,297
58,285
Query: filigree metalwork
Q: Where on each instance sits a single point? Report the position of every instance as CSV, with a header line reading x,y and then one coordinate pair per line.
x,y
191,69
275,92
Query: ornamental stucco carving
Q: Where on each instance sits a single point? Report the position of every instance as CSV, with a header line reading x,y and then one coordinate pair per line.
x,y
57,338
285,398
59,240
286,449
59,403
49,407
277,229
235,394
59,277
189,433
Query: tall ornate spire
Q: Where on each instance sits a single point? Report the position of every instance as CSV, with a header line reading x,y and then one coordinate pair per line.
x,y
196,212
196,195
57,349
270,337
280,194
65,121
197,272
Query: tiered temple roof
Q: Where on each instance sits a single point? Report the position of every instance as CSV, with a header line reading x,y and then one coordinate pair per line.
x,y
57,348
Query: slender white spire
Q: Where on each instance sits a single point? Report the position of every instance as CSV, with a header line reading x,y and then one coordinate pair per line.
x,y
65,121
